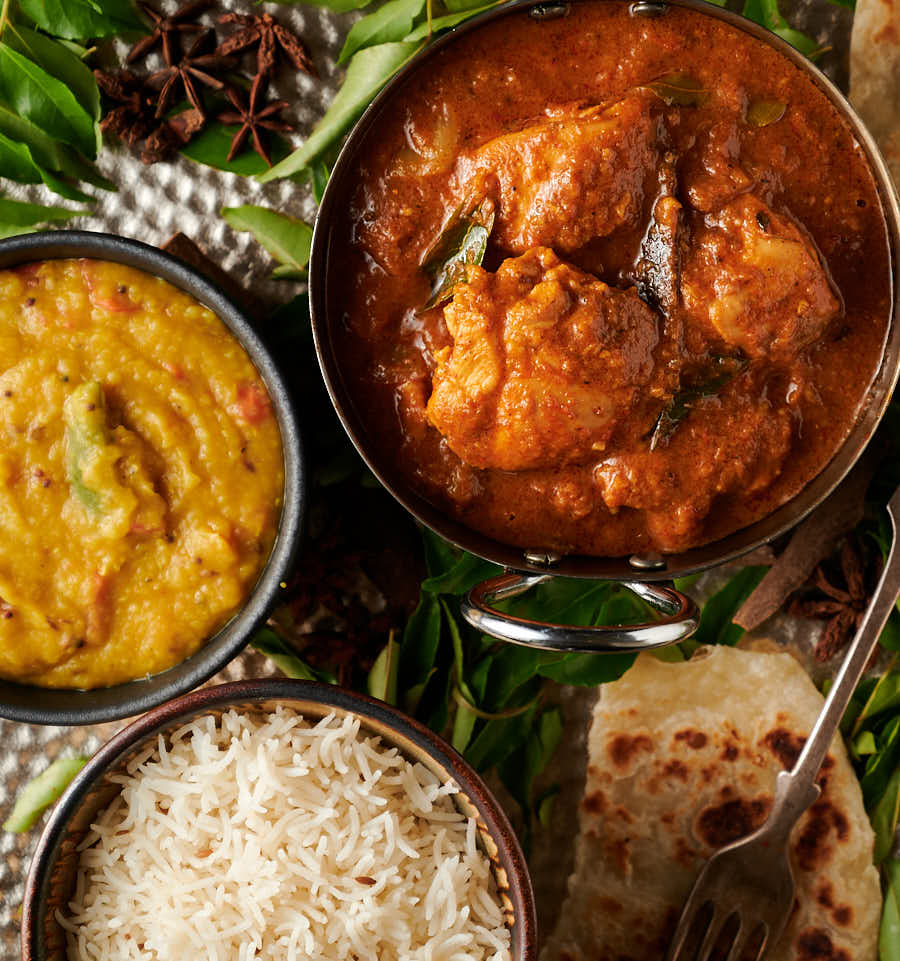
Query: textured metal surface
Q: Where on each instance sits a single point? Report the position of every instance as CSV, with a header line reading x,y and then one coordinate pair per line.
x,y
153,203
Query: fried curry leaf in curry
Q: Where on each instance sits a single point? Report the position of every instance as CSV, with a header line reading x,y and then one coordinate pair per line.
x,y
723,371
462,242
680,89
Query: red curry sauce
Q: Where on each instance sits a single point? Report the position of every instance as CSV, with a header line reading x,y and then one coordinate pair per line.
x,y
679,312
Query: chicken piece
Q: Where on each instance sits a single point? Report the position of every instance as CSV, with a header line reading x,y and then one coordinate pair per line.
x,y
739,446
576,175
711,173
545,361
754,279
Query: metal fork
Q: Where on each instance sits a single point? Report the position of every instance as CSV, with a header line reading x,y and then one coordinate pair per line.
x,y
749,883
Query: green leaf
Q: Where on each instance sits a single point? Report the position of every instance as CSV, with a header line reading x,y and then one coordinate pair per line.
x,y
767,14
520,769
338,6
884,818
368,72
60,62
43,791
18,217
421,639
413,696
587,670
320,175
865,744
462,6
287,239
17,163
680,89
498,739
462,242
543,805
267,642
889,934
763,113
391,22
890,636
468,571
440,555
382,679
716,625
881,766
884,696
47,102
449,20
213,144
82,19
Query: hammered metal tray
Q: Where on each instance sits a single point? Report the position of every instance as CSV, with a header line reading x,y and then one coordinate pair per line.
x,y
151,205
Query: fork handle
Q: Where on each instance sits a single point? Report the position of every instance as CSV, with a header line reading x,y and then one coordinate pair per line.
x,y
797,788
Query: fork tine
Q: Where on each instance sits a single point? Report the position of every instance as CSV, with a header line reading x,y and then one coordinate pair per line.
x,y
716,923
686,924
741,938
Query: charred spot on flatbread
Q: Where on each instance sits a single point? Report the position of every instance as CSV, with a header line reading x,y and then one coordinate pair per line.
x,y
723,823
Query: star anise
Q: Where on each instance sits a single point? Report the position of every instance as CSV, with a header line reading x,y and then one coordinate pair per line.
x,y
193,66
133,118
167,28
842,607
253,119
263,29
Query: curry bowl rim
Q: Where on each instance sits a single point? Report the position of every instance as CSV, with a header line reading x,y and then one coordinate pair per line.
x,y
397,729
73,706
648,566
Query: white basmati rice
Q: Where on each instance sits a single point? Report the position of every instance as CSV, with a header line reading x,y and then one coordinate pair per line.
x,y
267,837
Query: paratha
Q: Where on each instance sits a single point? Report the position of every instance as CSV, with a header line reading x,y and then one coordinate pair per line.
x,y
682,758
875,74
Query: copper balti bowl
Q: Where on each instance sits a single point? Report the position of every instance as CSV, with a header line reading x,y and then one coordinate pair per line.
x,y
644,574
52,875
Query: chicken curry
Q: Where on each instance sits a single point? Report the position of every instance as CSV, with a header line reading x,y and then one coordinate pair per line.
x,y
610,283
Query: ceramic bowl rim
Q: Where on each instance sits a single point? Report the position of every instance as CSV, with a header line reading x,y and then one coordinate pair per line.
x,y
37,705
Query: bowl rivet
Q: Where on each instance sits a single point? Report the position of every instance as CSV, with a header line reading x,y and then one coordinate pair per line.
x,y
549,11
542,558
648,8
647,562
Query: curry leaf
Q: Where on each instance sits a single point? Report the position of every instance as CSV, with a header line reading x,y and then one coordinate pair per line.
x,y
462,6
468,571
763,113
391,22
711,382
881,766
382,680
716,626
462,243
338,6
82,19
17,217
288,660
680,89
498,739
884,818
421,639
43,791
47,102
287,239
767,14
889,934
368,72
60,62
449,20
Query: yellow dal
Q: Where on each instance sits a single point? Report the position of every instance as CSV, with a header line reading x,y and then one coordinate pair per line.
x,y
191,475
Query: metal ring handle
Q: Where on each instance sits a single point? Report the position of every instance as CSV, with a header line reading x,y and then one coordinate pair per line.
x,y
681,620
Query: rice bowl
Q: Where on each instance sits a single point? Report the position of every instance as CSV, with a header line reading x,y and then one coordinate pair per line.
x,y
280,819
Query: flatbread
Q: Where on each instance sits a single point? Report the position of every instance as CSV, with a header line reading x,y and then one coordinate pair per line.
x,y
682,758
875,74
